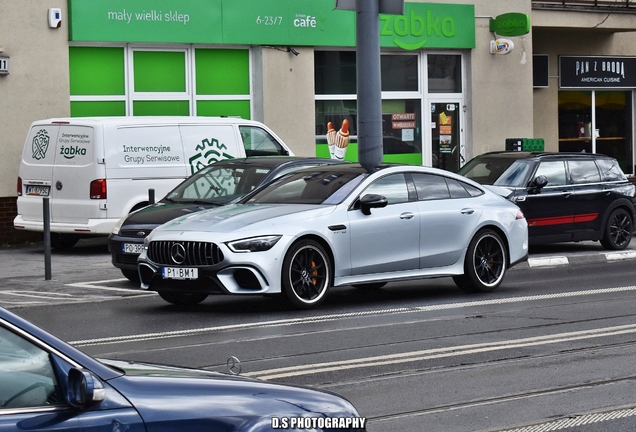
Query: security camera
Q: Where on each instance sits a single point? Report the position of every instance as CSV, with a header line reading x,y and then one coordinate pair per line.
x,y
294,51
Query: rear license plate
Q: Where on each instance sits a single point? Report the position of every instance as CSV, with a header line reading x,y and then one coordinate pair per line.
x,y
132,248
179,273
38,190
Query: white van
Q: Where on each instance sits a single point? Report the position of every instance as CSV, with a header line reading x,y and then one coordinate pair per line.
x,y
95,170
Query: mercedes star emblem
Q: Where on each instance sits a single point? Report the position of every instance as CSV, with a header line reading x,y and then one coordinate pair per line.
x,y
178,253
234,365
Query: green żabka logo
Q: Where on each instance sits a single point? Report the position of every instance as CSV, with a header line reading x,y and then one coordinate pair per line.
x,y
40,144
411,32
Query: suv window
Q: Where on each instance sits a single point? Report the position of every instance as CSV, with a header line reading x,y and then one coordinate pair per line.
x,y
610,170
584,171
554,171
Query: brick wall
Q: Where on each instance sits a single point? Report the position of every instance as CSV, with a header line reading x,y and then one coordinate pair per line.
x,y
8,234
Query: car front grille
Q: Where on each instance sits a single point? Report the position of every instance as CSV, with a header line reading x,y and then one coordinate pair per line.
x,y
184,253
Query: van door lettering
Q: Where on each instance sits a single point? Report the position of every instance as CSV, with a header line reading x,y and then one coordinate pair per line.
x,y
71,152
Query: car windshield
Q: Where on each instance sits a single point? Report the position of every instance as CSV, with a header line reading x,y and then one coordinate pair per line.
x,y
496,171
309,187
218,184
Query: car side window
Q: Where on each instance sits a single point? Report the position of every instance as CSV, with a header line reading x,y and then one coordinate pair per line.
x,y
610,170
584,171
392,186
26,374
554,171
258,142
430,187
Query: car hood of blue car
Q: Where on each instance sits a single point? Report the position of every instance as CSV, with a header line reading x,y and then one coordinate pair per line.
x,y
165,396
244,216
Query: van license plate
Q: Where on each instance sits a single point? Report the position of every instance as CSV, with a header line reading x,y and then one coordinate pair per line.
x,y
38,190
132,248
180,273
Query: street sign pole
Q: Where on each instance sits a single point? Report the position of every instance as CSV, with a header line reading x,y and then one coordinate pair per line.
x,y
369,86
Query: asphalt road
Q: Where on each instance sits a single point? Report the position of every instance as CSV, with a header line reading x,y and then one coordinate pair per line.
x,y
552,349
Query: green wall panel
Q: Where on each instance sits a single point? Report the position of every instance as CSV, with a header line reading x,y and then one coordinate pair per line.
x,y
322,150
161,108
224,108
159,71
98,108
222,71
96,71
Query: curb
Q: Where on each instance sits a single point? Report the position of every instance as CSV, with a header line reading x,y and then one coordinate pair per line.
x,y
557,260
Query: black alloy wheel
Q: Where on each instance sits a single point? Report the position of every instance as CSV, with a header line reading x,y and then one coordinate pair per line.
x,y
618,230
485,263
306,274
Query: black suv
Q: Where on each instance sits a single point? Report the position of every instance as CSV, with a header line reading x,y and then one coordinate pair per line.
x,y
564,196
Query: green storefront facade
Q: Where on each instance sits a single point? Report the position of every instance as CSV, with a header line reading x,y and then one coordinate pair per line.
x,y
196,58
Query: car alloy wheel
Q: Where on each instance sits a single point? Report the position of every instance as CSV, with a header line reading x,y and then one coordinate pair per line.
x,y
485,263
618,230
306,274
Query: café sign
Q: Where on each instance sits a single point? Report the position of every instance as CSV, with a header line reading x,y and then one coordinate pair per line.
x,y
595,72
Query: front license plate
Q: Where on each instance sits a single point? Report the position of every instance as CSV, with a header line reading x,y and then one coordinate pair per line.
x,y
37,190
132,248
179,273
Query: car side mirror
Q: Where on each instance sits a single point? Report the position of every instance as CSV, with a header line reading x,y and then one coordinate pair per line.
x,y
370,201
538,183
84,389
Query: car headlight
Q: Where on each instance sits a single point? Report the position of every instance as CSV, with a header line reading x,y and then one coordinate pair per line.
x,y
254,244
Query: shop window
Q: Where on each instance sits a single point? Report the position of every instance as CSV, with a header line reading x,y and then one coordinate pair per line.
x,y
222,72
159,71
119,81
96,71
336,101
444,73
597,122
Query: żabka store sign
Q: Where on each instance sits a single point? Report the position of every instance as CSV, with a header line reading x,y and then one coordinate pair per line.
x,y
597,72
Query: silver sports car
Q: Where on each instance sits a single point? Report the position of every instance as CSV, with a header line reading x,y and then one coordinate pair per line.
x,y
338,225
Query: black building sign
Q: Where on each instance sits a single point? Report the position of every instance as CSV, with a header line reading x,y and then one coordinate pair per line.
x,y
597,72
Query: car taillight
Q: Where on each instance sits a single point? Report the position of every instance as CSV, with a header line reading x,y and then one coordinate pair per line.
x,y
19,186
519,215
98,189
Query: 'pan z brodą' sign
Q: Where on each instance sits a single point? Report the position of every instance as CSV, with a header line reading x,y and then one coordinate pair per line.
x,y
594,72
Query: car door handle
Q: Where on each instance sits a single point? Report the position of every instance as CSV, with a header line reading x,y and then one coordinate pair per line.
x,y
467,211
407,215
566,194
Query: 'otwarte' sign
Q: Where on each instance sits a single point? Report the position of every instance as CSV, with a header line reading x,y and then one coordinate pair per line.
x,y
590,72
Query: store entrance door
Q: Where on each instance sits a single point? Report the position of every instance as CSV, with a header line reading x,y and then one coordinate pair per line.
x,y
446,134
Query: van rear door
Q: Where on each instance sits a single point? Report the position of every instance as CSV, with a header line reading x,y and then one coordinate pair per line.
x,y
36,170
74,169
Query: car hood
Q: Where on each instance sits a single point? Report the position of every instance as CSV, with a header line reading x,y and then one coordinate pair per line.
x,y
244,216
160,213
182,399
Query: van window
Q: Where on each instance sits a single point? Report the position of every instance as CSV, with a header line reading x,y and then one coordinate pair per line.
x,y
258,142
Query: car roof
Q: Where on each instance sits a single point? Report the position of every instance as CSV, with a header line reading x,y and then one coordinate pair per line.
x,y
272,162
543,155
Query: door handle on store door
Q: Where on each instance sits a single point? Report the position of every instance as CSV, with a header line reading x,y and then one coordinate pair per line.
x,y
407,215
467,211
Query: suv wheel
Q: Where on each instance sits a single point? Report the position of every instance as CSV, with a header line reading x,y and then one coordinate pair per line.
x,y
618,230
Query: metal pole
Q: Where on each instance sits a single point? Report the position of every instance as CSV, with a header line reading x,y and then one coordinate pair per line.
x,y
370,147
46,213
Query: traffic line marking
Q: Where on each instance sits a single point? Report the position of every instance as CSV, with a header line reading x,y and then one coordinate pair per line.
x,y
548,261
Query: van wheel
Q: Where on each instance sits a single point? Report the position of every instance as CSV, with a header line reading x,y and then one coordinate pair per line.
x,y
618,230
183,299
131,275
63,241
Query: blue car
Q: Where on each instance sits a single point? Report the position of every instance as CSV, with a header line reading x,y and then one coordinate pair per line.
x,y
47,385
